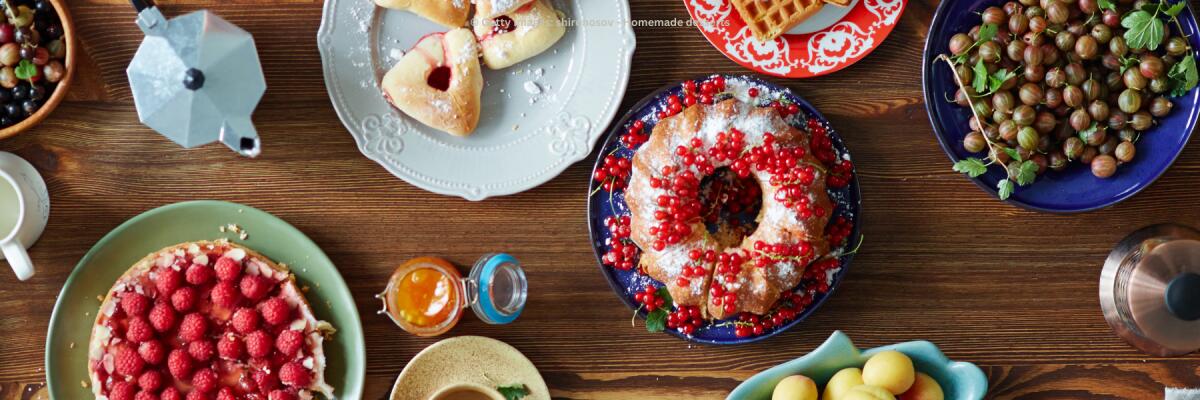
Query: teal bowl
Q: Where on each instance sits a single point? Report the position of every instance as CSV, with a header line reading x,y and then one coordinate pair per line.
x,y
959,380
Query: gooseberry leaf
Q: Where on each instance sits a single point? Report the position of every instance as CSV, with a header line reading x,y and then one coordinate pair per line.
x,y
516,391
972,166
998,78
980,80
1027,173
1144,30
986,32
1004,189
1183,75
25,70
1084,133
1013,154
1107,5
656,321
1175,8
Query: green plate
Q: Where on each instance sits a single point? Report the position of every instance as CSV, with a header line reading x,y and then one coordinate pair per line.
x,y
75,310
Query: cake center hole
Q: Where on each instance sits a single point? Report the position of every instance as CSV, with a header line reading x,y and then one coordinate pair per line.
x,y
730,206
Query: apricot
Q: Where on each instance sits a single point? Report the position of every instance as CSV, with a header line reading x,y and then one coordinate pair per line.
x,y
891,370
842,382
868,392
795,387
924,388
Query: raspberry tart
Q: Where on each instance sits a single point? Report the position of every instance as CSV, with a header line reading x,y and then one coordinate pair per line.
x,y
207,320
439,82
664,203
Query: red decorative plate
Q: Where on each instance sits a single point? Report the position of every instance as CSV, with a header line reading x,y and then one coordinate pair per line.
x,y
834,38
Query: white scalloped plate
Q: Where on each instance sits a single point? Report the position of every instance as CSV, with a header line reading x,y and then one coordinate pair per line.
x,y
524,138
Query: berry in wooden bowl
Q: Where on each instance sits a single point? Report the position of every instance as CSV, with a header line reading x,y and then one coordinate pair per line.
x,y
37,61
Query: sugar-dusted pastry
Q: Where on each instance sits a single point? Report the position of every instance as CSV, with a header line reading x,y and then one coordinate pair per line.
x,y
451,13
439,82
496,8
513,37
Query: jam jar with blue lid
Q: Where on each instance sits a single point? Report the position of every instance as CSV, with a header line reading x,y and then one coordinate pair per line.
x,y
426,296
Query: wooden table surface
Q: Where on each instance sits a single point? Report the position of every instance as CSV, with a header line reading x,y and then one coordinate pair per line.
x,y
1010,290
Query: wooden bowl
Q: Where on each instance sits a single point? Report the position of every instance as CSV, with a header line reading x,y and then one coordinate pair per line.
x,y
60,91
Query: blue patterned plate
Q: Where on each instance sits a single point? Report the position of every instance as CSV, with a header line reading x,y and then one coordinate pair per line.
x,y
603,204
1074,189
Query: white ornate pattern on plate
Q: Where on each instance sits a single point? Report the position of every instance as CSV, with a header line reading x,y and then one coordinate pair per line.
x,y
821,52
538,117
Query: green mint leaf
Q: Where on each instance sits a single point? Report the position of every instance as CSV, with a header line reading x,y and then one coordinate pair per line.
x,y
1004,189
1145,31
973,167
1107,5
25,70
514,391
1175,8
656,321
1183,75
1027,173
980,81
987,32
1013,154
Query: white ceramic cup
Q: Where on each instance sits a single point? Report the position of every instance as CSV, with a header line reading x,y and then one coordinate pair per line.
x,y
32,211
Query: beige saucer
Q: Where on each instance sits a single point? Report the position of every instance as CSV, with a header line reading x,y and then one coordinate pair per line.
x,y
467,361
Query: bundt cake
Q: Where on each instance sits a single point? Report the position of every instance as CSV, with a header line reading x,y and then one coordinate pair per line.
x,y
664,203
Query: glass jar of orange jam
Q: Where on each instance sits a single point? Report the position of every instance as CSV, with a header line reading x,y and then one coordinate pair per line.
x,y
426,296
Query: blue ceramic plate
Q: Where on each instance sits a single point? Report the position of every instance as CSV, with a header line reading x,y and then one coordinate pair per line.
x,y
959,380
1074,189
602,204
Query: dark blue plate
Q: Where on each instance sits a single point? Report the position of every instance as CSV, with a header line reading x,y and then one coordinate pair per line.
x,y
1074,189
602,204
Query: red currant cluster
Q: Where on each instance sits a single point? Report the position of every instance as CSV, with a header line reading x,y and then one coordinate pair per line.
x,y
635,135
677,208
769,253
821,144
731,196
622,253
614,174
784,108
818,271
693,269
693,155
729,265
649,298
729,147
838,231
839,175
790,306
787,172
686,319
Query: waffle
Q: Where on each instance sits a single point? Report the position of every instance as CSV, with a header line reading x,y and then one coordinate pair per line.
x,y
842,3
770,18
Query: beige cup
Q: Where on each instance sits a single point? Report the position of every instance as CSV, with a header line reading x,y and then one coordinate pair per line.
x,y
467,391
24,211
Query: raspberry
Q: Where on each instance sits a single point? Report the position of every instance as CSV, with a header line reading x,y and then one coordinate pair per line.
x,y
197,395
258,344
152,352
145,395
128,362
275,311
281,395
254,287
199,274
162,317
295,375
150,380
289,341
122,390
245,320
201,350
266,382
193,327
225,295
134,303
230,347
139,330
226,393
228,269
183,299
180,364
204,380
170,394
167,281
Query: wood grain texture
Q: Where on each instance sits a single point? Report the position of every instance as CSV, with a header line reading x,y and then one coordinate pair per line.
x,y
1011,290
